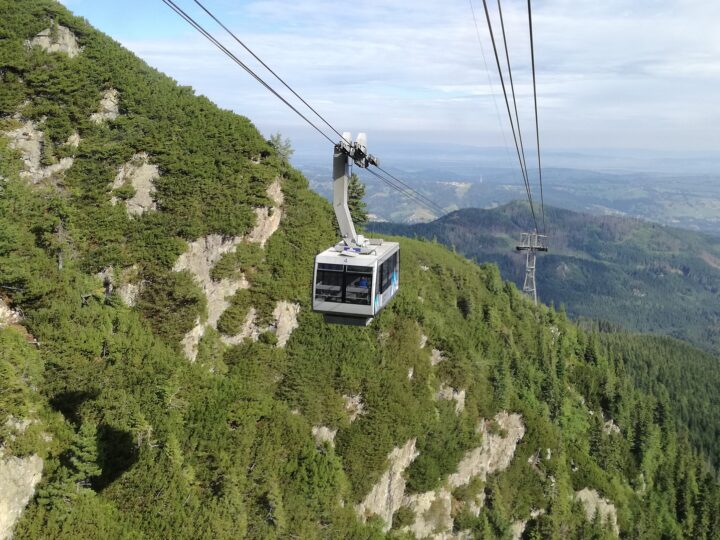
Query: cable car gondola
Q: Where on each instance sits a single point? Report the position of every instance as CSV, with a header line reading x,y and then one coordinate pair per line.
x,y
357,277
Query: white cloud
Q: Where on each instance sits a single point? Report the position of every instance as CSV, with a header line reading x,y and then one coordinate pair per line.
x,y
638,73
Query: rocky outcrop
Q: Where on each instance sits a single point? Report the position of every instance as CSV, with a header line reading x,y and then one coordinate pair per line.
x,y
386,496
267,220
324,434
249,330
449,393
57,39
284,322
433,514
29,141
436,357
18,478
433,510
594,504
495,453
121,283
433,517
199,259
141,175
203,255
74,140
611,427
8,316
354,406
285,315
109,107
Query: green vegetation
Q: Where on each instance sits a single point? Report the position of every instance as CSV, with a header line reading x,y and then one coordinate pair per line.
x,y
640,275
356,204
687,377
146,444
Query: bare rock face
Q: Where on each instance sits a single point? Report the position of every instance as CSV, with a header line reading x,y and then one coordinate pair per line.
x,y
432,513
203,255
285,315
593,503
249,330
354,406
141,174
18,478
109,108
58,39
29,141
267,220
433,509
448,393
121,282
324,434
386,497
8,316
199,259
495,453
436,357
74,140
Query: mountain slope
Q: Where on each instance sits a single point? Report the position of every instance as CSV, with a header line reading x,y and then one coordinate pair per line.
x,y
643,276
158,254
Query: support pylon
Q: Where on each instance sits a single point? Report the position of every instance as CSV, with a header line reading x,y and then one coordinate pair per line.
x,y
531,243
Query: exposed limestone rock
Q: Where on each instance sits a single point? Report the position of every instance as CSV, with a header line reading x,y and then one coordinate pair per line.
x,y
593,503
29,140
411,373
19,425
109,108
432,514
324,434
121,284
449,393
58,39
249,330
423,341
436,357
192,339
129,293
354,406
18,478
387,494
8,316
494,454
74,140
267,220
433,517
475,505
285,315
202,256
199,259
611,427
139,173
424,268
518,527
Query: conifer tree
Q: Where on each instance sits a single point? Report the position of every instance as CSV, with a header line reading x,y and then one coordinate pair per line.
x,y
358,208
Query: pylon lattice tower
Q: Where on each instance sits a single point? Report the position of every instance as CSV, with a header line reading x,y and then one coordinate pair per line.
x,y
531,243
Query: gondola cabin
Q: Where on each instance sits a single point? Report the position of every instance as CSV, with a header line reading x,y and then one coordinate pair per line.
x,y
351,287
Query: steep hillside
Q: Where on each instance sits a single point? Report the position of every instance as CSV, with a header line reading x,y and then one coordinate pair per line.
x,y
687,376
157,341
643,276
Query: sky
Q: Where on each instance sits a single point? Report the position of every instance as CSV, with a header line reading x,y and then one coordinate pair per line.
x,y
611,74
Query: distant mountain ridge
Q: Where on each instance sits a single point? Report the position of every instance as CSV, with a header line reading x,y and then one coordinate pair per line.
x,y
644,276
